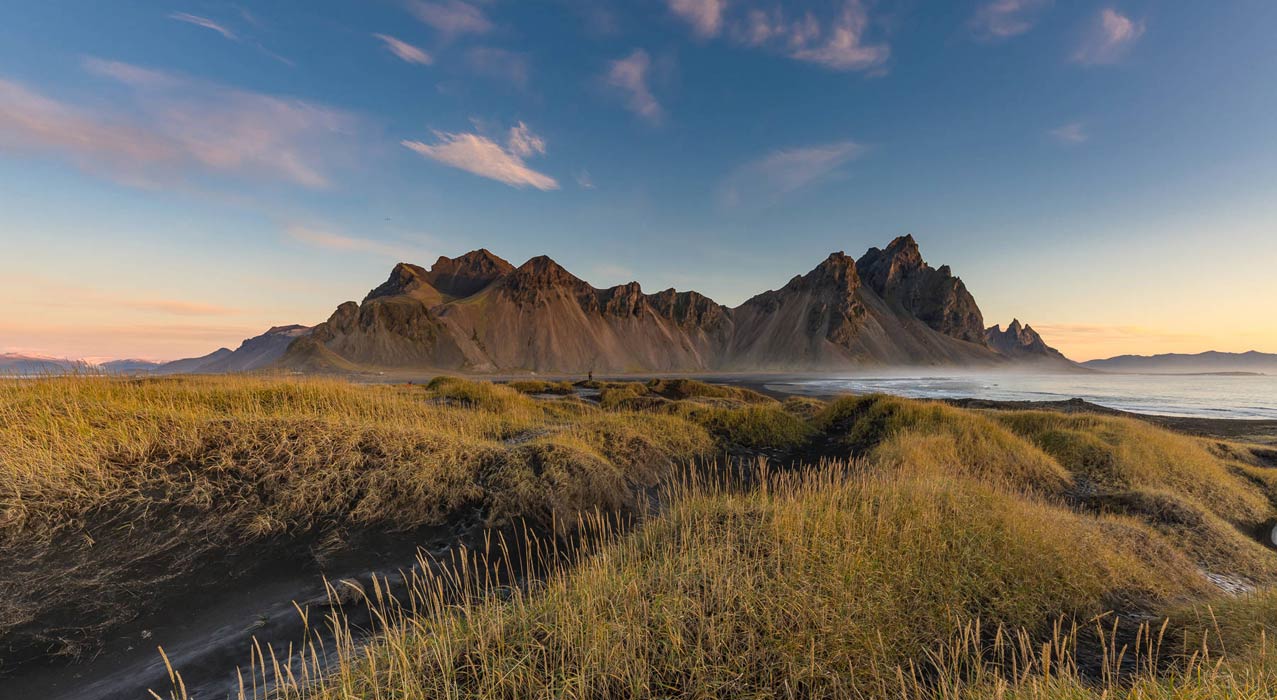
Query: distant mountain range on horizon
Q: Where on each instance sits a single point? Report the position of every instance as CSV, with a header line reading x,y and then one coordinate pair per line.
x,y
1210,362
478,313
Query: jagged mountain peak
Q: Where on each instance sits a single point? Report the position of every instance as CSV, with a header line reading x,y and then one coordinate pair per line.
x,y
884,268
1020,341
839,265
904,245
901,277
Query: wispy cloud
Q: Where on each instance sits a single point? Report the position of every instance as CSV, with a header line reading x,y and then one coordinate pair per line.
x,y
523,143
584,181
328,240
169,128
1001,19
837,44
451,17
1073,132
630,75
781,172
405,51
205,23
1108,39
230,34
484,157
842,47
705,16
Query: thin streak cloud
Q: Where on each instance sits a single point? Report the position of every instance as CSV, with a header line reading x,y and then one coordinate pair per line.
x,y
205,23
405,51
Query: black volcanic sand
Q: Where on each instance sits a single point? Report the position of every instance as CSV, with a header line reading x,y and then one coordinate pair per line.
x,y
207,630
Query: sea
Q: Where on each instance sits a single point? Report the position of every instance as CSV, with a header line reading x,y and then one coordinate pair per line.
x,y
1250,396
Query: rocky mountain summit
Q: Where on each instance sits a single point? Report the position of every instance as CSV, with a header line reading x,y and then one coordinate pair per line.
x,y
899,275
480,313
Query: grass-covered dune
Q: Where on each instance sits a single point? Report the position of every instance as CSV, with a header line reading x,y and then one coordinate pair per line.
x,y
115,491
880,548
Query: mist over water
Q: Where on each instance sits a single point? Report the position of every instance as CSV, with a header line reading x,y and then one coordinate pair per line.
x,y
1202,396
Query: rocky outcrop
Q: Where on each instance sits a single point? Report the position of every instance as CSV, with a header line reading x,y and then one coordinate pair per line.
x,y
1021,342
907,283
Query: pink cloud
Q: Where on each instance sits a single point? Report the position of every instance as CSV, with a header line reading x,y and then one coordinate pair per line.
x,y
705,16
838,43
842,46
1108,39
630,75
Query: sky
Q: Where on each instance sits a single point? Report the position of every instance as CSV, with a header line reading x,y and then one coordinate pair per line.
x,y
177,176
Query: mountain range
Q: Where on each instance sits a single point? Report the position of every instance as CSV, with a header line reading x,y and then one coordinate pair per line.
x,y
1200,363
480,313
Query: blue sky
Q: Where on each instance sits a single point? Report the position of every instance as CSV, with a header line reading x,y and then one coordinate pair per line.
x,y
175,176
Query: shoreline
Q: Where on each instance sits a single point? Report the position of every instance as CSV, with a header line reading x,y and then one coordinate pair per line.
x,y
1261,431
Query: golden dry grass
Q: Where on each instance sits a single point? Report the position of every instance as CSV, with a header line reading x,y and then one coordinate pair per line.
x,y
958,554
830,582
132,483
